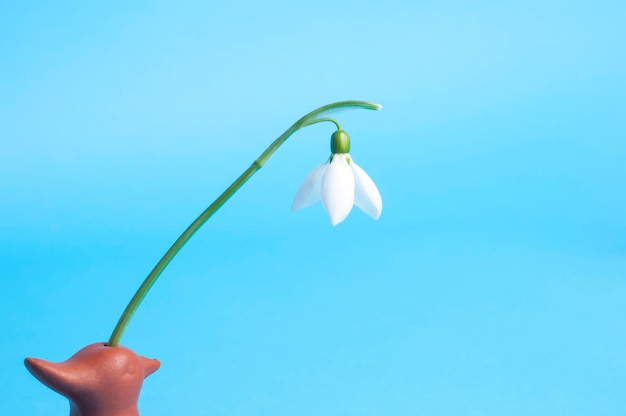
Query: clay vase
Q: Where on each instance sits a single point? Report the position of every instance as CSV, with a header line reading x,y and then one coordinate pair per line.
x,y
98,380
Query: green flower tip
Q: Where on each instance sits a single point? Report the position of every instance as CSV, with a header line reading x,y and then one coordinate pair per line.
x,y
340,142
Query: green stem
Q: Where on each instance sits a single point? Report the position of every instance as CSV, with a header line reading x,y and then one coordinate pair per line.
x,y
311,118
321,120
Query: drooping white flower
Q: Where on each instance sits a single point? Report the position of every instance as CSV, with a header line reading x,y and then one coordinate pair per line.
x,y
339,184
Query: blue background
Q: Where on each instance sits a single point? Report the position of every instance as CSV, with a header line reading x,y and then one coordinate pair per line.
x,y
493,283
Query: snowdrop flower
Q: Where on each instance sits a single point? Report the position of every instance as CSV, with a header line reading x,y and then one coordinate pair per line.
x,y
339,183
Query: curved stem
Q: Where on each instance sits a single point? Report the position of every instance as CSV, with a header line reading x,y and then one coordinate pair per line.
x,y
311,118
321,120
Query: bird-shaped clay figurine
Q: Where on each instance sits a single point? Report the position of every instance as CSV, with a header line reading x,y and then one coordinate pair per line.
x,y
98,380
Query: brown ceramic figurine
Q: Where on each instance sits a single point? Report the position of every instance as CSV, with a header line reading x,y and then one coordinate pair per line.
x,y
105,379
98,380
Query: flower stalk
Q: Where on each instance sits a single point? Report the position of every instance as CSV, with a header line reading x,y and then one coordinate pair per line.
x,y
315,116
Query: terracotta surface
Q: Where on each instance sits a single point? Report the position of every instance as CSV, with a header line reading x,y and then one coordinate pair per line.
x,y
98,380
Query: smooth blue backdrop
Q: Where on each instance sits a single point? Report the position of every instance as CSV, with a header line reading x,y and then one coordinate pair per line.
x,y
493,283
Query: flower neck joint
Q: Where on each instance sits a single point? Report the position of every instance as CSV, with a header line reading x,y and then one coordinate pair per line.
x,y
340,142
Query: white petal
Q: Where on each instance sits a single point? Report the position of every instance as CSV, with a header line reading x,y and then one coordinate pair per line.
x,y
366,195
310,190
338,189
